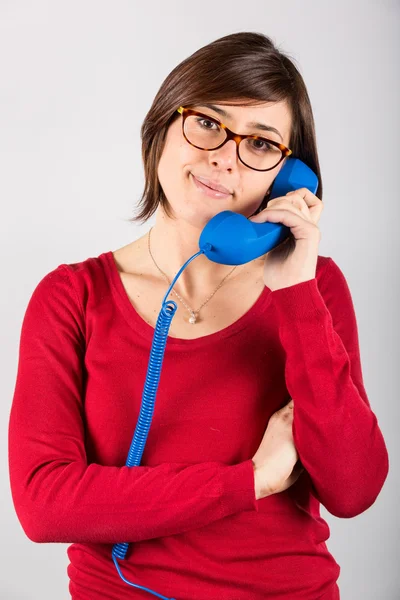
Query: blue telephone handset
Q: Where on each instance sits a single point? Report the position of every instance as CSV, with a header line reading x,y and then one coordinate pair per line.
x,y
231,239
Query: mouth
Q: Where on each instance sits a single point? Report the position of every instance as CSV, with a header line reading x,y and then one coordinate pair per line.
x,y
208,191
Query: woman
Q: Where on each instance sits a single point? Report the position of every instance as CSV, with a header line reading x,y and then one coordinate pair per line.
x,y
226,500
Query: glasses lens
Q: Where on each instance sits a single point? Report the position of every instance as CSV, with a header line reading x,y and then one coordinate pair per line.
x,y
207,134
204,133
259,154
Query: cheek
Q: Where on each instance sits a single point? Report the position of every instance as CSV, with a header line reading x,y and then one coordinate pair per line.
x,y
253,191
174,165
192,160
251,194
176,162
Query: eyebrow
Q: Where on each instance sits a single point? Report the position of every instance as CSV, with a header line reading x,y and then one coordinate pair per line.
x,y
254,124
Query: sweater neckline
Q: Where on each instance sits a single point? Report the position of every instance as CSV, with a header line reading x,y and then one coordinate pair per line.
x,y
141,326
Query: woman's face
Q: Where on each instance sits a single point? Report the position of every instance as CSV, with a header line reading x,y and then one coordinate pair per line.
x,y
180,161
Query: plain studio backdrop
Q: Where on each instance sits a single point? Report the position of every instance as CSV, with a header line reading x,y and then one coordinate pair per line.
x,y
77,79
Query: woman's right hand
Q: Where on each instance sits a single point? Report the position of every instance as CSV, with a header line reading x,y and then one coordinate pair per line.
x,y
275,462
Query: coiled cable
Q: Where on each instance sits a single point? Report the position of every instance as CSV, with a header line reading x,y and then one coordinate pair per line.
x,y
167,312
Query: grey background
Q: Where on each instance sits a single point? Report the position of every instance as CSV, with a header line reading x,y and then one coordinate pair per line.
x,y
76,79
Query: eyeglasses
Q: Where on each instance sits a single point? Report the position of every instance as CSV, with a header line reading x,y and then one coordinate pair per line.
x,y
207,133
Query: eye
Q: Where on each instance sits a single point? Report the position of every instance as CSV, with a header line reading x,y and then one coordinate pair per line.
x,y
260,145
201,121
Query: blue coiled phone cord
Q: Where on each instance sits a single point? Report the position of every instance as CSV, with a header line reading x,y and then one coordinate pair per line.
x,y
138,443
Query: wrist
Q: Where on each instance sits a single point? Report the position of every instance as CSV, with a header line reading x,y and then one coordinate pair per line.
x,y
257,483
259,488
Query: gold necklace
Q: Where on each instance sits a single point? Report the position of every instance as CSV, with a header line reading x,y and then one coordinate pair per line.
x,y
193,313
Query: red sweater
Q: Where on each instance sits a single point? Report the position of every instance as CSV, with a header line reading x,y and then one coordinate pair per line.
x,y
189,512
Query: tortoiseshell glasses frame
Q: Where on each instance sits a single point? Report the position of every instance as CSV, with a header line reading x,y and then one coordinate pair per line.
x,y
231,135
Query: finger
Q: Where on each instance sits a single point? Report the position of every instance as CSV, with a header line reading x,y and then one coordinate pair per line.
x,y
290,203
301,227
314,204
309,198
282,204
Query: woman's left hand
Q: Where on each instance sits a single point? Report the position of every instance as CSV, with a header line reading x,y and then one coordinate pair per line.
x,y
295,259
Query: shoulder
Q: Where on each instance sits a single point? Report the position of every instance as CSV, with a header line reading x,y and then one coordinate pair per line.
x,y
69,286
328,270
68,274
333,285
323,266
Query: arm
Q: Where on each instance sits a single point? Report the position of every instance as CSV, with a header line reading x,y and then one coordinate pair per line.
x,y
334,429
58,497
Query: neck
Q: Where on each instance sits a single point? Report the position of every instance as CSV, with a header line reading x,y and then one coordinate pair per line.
x,y
172,243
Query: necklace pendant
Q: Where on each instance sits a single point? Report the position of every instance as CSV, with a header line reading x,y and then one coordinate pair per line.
x,y
192,318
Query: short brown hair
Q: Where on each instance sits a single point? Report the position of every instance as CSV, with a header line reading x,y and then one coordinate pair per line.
x,y
245,67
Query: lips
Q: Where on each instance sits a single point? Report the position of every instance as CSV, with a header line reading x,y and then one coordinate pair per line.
x,y
213,185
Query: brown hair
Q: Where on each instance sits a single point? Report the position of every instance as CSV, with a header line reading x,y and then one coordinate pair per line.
x,y
245,67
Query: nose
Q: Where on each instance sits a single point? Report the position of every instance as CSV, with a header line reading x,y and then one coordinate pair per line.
x,y
225,156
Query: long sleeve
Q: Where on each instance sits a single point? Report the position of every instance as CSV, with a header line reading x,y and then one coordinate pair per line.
x,y
335,431
58,496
